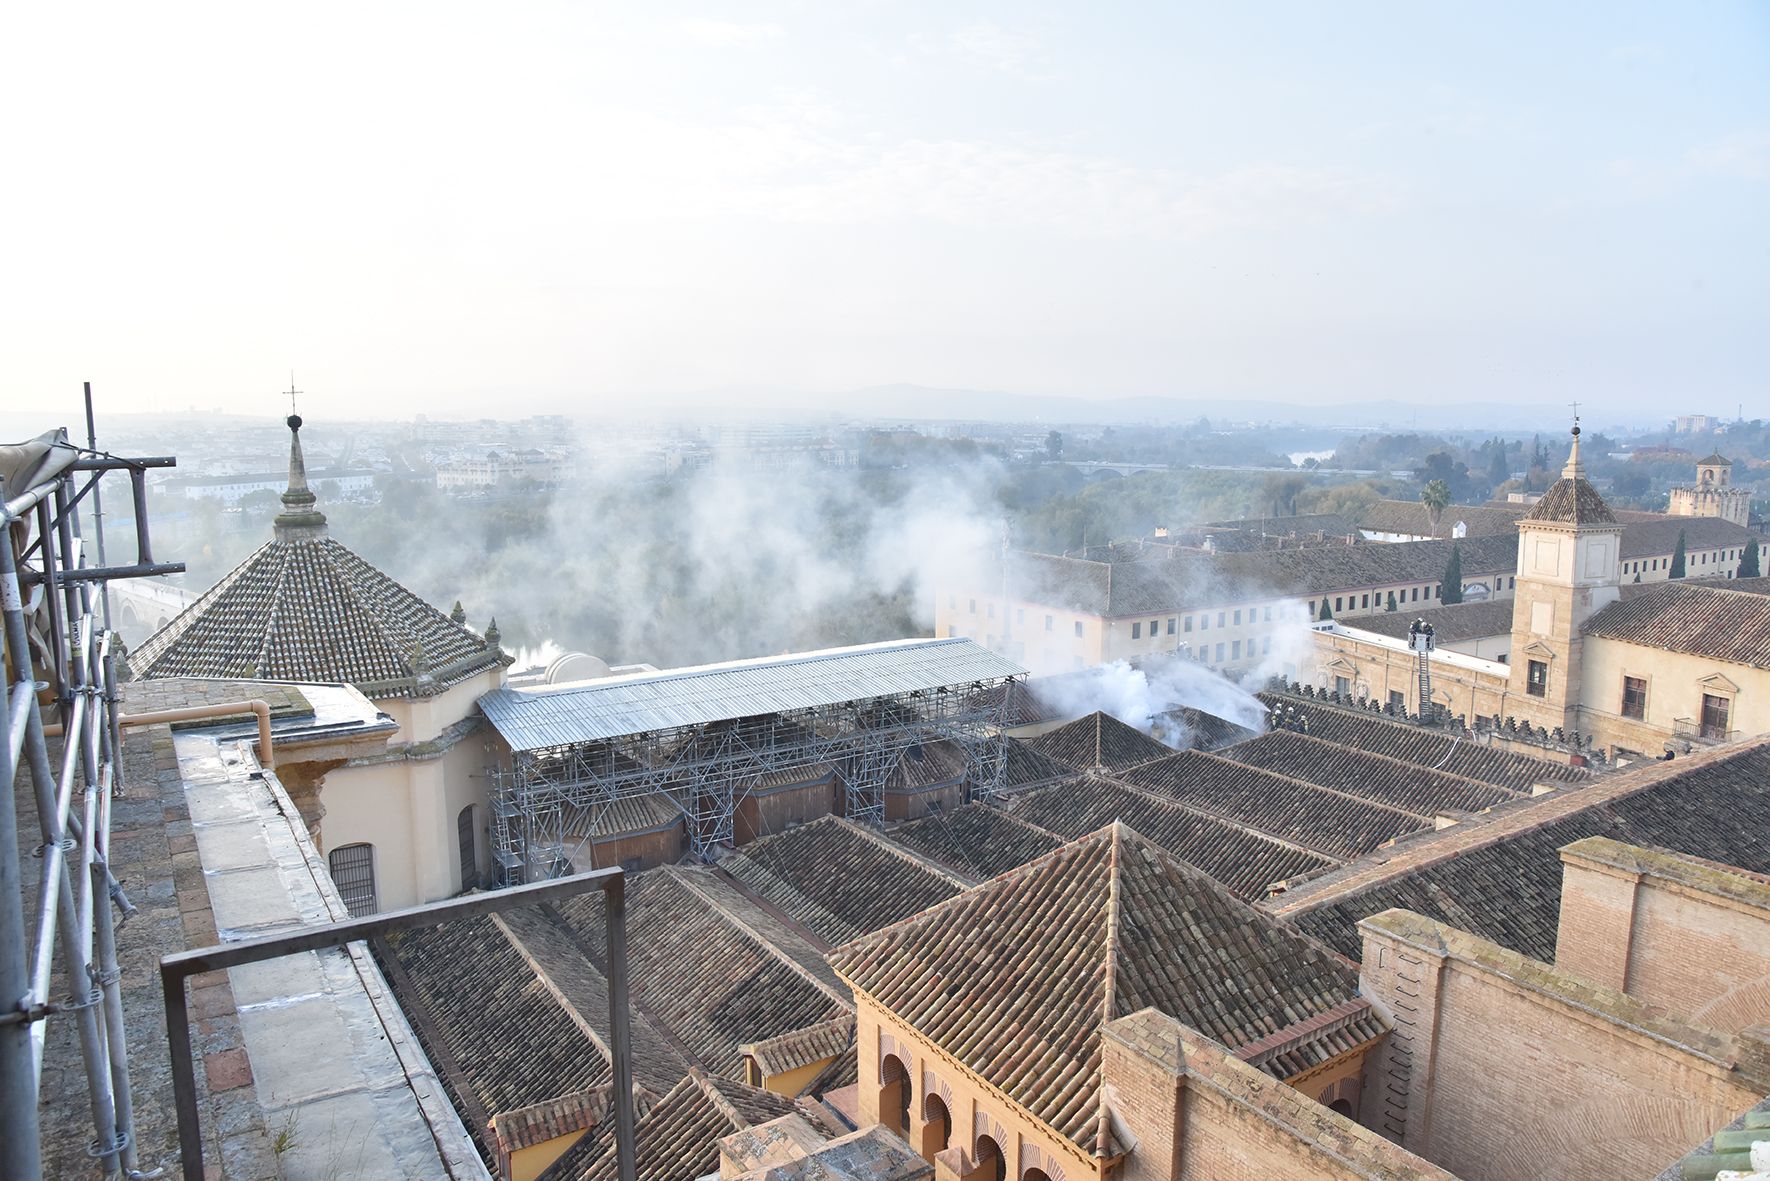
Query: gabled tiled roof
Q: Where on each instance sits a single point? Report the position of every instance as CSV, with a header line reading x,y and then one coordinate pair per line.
x,y
1715,459
838,879
678,1139
814,1043
1499,875
709,966
1411,518
976,840
1203,731
927,764
1712,621
498,1038
1571,502
314,611
1379,778
633,814
1459,621
1025,767
1656,535
1244,860
1016,977
1336,823
1415,744
1099,740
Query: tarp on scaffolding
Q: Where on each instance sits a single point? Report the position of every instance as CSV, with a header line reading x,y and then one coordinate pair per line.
x,y
639,703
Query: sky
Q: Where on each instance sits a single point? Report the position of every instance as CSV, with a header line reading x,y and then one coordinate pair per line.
x,y
465,209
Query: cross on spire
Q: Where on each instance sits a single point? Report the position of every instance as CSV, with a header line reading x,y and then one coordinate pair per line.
x,y
292,391
1575,405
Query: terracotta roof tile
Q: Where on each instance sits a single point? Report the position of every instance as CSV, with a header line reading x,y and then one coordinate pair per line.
x,y
1380,778
977,840
1430,748
1571,500
1244,860
790,1051
1099,740
1016,977
840,880
314,611
1712,621
1336,823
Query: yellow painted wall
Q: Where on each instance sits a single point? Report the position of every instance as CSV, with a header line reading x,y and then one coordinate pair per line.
x,y
528,1163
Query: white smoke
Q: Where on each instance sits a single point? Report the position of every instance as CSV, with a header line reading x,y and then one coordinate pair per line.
x,y
1144,697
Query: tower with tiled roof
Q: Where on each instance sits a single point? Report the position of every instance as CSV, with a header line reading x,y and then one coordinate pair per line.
x,y
1713,494
303,607
1569,568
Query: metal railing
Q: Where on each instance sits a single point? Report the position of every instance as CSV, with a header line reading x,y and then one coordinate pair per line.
x,y
179,967
46,585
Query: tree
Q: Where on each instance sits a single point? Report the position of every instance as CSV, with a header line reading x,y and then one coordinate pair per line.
x,y
1327,611
1281,493
1498,470
1452,591
1678,557
1391,605
1748,561
1436,497
1054,445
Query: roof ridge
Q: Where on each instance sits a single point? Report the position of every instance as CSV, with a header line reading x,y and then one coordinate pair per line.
x,y
908,856
1205,812
323,550
273,617
153,647
1313,740
1109,989
686,881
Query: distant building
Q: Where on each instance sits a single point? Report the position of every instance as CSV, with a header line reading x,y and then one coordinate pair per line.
x,y
1713,495
496,469
1597,642
1689,424
229,490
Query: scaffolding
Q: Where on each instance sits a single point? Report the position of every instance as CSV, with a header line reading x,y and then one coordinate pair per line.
x,y
59,648
546,802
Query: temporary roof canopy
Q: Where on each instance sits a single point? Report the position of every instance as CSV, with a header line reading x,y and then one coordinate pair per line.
x,y
593,711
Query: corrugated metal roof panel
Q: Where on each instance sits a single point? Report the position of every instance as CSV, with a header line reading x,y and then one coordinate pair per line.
x,y
592,711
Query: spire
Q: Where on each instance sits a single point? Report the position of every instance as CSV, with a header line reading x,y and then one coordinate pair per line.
x,y
299,520
1575,470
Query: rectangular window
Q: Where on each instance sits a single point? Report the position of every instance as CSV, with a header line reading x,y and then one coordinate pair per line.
x,y
1397,700
1365,602
1221,615
1171,623
1238,617
1716,716
1050,622
1266,646
1312,608
1136,631
1416,594
1338,605
1204,622
1537,682
1219,653
1634,703
1235,650
1155,628
1342,686
1269,615
1078,629
1189,623
951,630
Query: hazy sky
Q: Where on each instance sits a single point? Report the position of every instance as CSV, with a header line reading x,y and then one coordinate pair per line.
x,y
504,207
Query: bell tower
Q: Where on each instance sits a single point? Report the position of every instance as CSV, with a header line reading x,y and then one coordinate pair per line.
x,y
1569,567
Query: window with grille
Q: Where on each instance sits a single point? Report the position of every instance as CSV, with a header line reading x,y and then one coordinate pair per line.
x,y
1716,716
464,837
1537,679
1634,703
353,872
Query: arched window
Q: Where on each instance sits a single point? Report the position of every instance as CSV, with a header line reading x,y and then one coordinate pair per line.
x,y
469,858
937,1133
991,1164
894,1095
353,872
1035,1175
1343,1106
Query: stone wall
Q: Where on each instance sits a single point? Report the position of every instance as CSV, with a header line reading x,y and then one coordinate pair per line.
x,y
1668,930
1502,1067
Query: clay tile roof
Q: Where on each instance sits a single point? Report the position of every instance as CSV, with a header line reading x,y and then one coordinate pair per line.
x,y
1337,823
1413,519
1713,621
1025,767
838,879
1459,621
1198,730
801,1047
1099,740
927,764
679,1137
632,814
311,610
1571,501
1380,778
977,840
710,967
1015,978
1715,459
1245,860
1416,744
1499,875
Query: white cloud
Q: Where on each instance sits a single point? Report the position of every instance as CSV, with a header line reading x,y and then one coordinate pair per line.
x,y
985,43
1742,154
718,32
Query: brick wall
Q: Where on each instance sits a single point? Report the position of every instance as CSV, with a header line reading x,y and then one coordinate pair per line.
x,y
1668,930
1503,1067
